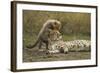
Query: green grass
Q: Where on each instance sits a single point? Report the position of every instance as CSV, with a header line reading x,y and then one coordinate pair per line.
x,y
29,40
75,37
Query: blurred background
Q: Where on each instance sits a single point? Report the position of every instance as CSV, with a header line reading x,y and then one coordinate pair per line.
x,y
74,25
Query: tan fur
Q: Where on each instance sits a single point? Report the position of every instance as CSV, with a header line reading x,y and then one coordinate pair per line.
x,y
45,33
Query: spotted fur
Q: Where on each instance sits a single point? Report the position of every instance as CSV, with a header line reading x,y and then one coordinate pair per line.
x,y
64,47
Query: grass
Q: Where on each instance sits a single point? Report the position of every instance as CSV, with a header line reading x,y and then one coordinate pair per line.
x,y
72,22
29,40
75,37
34,55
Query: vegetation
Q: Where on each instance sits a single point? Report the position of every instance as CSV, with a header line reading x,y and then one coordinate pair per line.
x,y
75,25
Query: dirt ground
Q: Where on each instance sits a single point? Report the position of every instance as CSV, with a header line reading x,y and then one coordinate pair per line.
x,y
34,55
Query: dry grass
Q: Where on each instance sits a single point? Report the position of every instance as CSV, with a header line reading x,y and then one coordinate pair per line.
x,y
34,55
74,26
